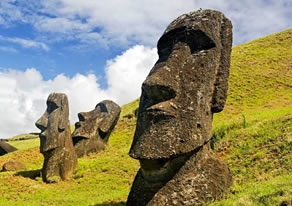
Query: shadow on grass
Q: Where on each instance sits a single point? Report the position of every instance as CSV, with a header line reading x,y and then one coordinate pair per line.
x,y
32,174
112,204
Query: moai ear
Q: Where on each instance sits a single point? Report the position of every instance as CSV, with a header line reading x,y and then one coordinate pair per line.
x,y
107,123
112,113
221,82
220,90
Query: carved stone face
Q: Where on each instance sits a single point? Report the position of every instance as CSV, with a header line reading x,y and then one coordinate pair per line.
x,y
184,88
97,122
53,122
94,127
88,123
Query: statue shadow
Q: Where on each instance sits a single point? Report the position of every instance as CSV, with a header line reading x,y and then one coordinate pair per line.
x,y
112,204
32,174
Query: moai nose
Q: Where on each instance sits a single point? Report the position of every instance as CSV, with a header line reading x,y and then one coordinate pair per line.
x,y
156,93
42,123
82,116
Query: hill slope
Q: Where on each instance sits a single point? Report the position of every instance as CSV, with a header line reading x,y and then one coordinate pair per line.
x,y
261,73
253,135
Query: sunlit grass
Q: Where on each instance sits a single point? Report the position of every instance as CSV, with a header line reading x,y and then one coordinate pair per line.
x,y
275,191
25,144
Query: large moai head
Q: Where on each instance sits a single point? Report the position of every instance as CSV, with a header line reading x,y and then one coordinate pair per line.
x,y
185,87
94,127
55,139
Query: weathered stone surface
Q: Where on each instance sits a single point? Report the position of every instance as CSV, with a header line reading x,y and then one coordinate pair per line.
x,y
13,165
94,128
56,145
6,148
184,88
189,180
182,91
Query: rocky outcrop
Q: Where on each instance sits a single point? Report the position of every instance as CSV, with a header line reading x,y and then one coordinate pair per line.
x,y
182,91
13,165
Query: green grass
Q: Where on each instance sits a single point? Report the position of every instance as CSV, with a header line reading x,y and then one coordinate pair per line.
x,y
25,144
253,135
261,147
275,191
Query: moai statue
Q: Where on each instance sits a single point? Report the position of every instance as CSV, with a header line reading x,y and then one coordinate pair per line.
x,y
185,87
6,148
94,127
56,144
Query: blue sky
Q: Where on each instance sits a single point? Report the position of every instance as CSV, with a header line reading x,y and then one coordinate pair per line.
x,y
94,49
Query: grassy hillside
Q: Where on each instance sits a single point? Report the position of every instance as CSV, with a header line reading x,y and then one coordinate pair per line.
x,y
253,135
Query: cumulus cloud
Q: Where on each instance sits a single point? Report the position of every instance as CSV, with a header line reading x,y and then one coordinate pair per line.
x,y
121,22
253,19
24,93
128,70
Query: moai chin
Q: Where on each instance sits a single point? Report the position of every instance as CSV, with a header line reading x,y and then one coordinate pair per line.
x,y
185,87
94,127
56,144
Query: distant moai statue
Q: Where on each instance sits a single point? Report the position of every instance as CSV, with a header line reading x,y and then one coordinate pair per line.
x,y
6,148
185,87
94,127
56,144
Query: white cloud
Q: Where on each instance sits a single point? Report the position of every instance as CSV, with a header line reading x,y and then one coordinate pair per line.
x,y
61,25
24,93
130,22
126,72
26,43
119,22
8,49
253,19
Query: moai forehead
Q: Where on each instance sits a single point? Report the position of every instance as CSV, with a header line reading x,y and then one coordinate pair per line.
x,y
209,23
185,87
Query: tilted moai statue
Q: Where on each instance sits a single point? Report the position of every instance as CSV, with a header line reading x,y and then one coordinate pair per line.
x,y
56,144
6,148
94,128
185,87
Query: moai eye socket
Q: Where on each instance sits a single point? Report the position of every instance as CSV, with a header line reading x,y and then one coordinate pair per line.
x,y
195,39
102,107
51,106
